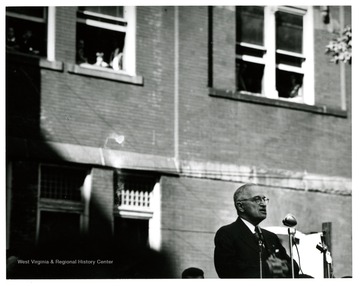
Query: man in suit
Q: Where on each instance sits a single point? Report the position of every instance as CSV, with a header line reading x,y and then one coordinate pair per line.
x,y
239,245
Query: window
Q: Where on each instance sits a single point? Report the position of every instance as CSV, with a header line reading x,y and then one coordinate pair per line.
x,y
289,54
136,210
250,48
250,25
131,233
63,203
61,183
274,52
26,30
106,38
58,227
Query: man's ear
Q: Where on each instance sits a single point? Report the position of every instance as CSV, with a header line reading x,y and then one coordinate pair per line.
x,y
240,207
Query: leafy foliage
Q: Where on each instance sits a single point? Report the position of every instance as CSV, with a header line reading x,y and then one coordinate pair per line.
x,y
340,49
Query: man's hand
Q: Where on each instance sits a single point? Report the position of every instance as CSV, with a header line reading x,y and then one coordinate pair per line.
x,y
277,267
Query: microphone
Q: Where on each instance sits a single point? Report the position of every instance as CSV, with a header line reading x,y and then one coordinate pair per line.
x,y
289,220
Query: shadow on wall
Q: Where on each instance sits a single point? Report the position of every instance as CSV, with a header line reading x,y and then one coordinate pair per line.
x,y
95,256
87,260
67,255
23,96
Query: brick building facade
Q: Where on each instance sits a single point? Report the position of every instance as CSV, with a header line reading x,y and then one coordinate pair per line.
x,y
107,157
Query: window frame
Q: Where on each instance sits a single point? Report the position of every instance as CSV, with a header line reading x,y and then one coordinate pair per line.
x,y
49,22
27,17
65,206
129,49
268,54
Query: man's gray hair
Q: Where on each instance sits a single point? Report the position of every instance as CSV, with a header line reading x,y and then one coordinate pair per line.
x,y
242,189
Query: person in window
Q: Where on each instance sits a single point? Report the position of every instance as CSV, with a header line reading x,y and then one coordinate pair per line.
x,y
238,245
27,44
289,86
241,69
295,87
116,57
80,55
11,41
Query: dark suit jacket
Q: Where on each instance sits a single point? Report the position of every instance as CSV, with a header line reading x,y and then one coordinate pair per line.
x,y
237,252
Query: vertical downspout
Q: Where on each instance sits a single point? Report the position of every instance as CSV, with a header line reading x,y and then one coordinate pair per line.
x,y
210,46
342,65
176,86
38,212
8,202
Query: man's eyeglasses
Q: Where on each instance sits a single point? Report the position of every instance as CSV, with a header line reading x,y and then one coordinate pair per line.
x,y
257,200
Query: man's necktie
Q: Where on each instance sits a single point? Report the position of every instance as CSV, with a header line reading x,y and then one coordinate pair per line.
x,y
258,233
260,237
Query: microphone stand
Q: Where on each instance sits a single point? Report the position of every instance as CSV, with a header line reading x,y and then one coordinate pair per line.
x,y
259,238
260,258
291,232
326,258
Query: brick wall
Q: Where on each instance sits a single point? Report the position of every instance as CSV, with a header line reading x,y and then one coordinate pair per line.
x,y
224,20
267,136
101,206
193,79
327,74
85,110
242,133
65,41
23,207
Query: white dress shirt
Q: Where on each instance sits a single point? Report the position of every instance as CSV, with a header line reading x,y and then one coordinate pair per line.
x,y
249,225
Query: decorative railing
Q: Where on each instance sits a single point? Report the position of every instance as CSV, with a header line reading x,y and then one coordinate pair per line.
x,y
133,197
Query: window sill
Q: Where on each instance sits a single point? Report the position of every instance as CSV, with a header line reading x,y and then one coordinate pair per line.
x,y
34,60
133,212
63,205
236,95
104,73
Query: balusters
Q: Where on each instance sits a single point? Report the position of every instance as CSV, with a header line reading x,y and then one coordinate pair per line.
x,y
135,196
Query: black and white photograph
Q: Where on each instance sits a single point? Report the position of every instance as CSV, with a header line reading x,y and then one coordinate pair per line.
x,y
178,141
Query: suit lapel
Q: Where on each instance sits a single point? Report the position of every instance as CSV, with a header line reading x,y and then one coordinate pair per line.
x,y
245,234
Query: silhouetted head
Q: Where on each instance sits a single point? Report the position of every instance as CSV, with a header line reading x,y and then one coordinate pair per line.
x,y
193,273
